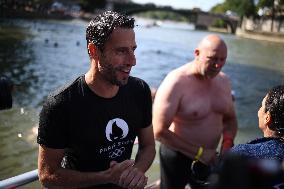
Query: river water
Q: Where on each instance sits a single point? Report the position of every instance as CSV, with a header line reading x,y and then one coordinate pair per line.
x,y
39,56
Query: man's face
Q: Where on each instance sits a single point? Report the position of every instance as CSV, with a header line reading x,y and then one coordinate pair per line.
x,y
117,56
211,59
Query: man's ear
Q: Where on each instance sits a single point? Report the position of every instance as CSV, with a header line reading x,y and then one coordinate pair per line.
x,y
268,118
196,52
93,50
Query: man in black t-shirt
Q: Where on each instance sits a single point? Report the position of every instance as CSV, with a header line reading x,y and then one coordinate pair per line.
x,y
87,128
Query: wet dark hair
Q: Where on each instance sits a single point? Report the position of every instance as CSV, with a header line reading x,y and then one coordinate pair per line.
x,y
101,27
275,105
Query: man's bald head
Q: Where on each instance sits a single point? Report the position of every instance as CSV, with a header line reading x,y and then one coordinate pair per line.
x,y
210,55
212,41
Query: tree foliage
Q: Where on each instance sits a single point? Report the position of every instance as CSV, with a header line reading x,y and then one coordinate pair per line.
x,y
271,5
22,5
241,7
219,8
265,3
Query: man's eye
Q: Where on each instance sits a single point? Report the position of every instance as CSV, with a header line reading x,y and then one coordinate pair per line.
x,y
213,58
121,51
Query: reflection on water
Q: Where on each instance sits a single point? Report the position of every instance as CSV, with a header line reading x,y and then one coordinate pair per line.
x,y
251,83
17,140
41,55
263,54
49,49
15,55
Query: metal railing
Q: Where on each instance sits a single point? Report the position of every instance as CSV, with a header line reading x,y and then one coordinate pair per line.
x,y
19,180
32,176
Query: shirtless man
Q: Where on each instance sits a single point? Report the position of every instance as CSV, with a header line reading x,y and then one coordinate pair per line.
x,y
193,108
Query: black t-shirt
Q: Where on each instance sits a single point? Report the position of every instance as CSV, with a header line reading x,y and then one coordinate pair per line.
x,y
94,130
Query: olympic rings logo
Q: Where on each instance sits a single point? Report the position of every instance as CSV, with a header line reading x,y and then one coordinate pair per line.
x,y
116,153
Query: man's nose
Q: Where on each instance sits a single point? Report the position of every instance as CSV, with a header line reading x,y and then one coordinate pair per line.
x,y
217,65
132,59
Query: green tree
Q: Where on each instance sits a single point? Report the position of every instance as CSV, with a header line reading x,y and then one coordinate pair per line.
x,y
241,7
269,3
219,8
20,5
274,7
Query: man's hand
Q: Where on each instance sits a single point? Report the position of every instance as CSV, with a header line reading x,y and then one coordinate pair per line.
x,y
208,157
227,143
116,169
133,178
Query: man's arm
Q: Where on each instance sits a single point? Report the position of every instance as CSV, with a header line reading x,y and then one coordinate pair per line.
x,y
51,174
165,107
230,127
134,177
146,149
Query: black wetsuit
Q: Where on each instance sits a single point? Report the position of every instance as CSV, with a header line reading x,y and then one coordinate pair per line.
x,y
94,130
176,170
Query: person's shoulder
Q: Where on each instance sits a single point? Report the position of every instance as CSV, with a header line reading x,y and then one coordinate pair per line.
x,y
224,76
239,147
249,150
174,80
251,146
62,93
181,70
223,79
135,81
178,74
274,143
64,89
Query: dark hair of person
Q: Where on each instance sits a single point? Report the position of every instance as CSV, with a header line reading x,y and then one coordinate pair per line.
x,y
275,105
101,27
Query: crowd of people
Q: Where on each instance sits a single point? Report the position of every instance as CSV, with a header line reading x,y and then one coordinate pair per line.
x,y
87,128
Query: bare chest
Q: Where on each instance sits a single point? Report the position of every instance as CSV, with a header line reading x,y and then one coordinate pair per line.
x,y
200,102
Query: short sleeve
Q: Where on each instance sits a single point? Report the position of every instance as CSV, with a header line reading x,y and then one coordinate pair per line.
x,y
52,131
146,104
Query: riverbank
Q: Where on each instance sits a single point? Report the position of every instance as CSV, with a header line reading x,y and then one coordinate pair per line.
x,y
43,15
219,30
265,36
6,13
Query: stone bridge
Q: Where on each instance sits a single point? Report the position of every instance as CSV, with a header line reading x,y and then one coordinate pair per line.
x,y
201,20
